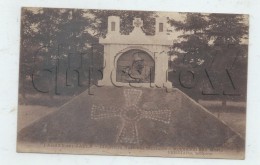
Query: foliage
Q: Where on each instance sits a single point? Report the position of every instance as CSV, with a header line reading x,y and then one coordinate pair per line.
x,y
211,45
52,41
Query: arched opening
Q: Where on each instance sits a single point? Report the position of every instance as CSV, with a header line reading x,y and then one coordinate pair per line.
x,y
135,66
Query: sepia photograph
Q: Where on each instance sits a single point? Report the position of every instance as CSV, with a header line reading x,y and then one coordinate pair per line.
x,y
133,83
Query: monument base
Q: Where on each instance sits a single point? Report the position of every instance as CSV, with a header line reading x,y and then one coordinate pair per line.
x,y
167,84
137,117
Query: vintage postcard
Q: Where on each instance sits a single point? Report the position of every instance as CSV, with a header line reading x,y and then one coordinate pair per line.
x,y
139,83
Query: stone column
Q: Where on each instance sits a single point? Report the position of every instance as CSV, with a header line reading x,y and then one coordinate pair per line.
x,y
113,25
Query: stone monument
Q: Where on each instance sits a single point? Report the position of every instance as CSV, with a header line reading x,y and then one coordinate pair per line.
x,y
136,59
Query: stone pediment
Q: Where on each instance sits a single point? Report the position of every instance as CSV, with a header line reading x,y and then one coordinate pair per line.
x,y
137,36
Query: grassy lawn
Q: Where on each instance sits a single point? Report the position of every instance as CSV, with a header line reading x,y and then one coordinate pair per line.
x,y
28,114
234,114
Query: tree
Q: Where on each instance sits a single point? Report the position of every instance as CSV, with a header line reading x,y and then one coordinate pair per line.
x,y
193,44
50,36
210,41
50,29
227,31
191,49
